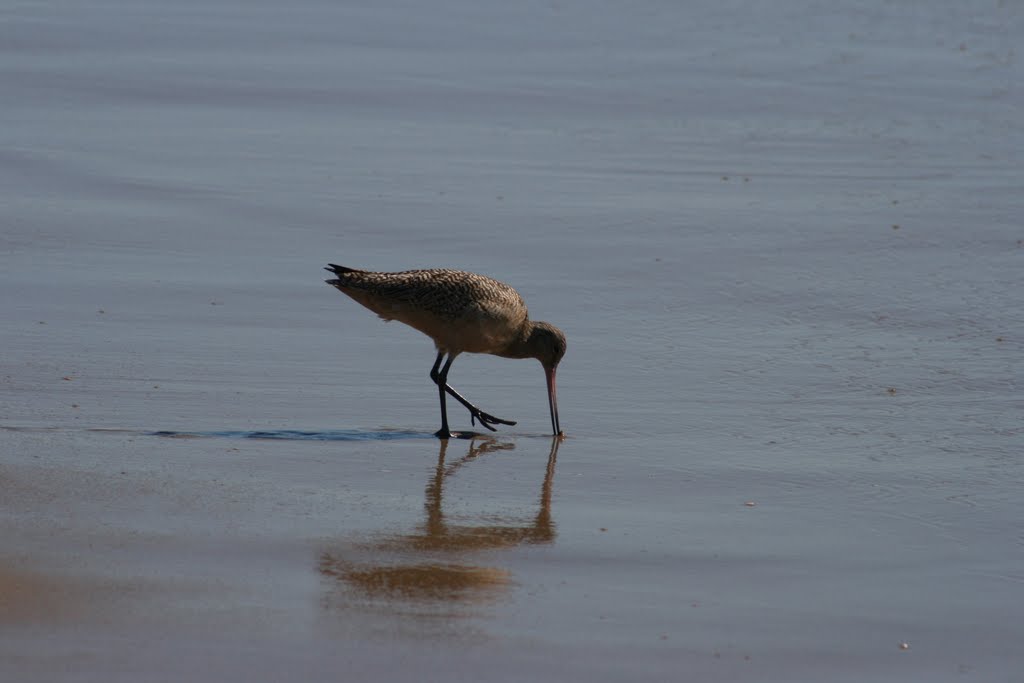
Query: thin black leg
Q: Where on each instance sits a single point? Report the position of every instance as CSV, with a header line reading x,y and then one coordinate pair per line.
x,y
486,419
437,364
442,384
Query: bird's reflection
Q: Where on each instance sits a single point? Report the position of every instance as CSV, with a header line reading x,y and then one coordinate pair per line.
x,y
436,570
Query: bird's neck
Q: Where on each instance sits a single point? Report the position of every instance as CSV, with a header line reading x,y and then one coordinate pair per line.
x,y
521,346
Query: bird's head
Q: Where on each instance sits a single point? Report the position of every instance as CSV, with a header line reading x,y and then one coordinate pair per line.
x,y
547,344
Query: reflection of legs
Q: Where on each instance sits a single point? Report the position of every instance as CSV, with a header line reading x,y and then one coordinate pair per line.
x,y
440,378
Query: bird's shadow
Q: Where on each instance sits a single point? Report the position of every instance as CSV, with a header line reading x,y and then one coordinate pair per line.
x,y
325,435
299,435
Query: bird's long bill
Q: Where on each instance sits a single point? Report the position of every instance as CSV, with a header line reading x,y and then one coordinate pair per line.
x,y
552,399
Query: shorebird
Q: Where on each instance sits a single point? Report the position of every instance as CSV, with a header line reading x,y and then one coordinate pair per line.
x,y
463,313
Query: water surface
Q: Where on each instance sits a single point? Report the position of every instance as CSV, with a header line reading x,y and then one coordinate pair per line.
x,y
784,243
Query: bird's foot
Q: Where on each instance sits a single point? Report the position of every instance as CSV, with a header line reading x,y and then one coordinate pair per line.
x,y
486,419
443,433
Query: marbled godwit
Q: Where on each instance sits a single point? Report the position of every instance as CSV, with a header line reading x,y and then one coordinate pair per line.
x,y
461,312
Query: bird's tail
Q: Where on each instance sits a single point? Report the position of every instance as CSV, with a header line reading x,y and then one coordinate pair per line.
x,y
340,270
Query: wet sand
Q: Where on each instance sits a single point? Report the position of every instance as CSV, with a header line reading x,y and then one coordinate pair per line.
x,y
784,245
135,555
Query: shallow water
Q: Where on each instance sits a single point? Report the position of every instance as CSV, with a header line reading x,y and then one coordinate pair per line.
x,y
784,243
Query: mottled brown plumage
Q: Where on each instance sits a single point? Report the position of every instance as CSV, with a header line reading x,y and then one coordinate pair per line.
x,y
461,312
